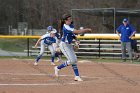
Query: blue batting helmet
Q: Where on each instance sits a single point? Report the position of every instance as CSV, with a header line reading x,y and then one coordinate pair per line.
x,y
49,28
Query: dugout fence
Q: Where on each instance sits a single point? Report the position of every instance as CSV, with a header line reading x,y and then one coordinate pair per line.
x,y
92,45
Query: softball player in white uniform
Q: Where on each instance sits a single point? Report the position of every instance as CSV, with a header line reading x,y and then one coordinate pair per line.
x,y
46,40
66,46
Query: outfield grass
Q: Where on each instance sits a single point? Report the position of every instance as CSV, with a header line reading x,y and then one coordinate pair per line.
x,y
15,45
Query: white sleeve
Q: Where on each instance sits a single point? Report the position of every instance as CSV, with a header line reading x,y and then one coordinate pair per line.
x,y
55,30
68,27
46,35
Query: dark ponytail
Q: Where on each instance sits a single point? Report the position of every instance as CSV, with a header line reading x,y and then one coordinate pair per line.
x,y
62,22
60,26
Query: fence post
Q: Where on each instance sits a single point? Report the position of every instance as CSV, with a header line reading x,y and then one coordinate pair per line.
x,y
99,47
28,47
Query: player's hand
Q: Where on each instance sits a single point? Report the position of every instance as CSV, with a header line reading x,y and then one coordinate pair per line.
x,y
88,30
77,42
76,47
130,37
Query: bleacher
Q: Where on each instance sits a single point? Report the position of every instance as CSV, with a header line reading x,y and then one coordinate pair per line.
x,y
95,48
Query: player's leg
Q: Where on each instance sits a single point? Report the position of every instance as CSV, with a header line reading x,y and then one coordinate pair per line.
x,y
136,56
129,49
42,49
65,50
68,51
58,57
123,50
56,45
74,65
51,48
75,69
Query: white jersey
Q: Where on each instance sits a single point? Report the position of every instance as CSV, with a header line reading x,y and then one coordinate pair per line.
x,y
45,35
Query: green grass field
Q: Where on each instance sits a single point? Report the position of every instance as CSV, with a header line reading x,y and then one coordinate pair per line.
x,y
16,45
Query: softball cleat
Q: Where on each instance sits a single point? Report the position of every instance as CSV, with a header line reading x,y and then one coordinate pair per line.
x,y
35,63
77,78
52,64
56,71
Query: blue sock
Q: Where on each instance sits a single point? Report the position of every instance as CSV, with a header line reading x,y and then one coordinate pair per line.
x,y
75,69
53,59
62,65
38,57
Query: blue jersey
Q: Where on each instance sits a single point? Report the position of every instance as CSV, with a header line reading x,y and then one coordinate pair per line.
x,y
47,39
126,32
68,35
133,42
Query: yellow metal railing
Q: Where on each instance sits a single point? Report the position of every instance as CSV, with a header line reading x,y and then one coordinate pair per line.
x,y
92,36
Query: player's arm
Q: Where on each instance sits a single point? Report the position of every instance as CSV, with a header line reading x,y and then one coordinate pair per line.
x,y
132,34
118,33
80,31
75,31
133,31
37,42
76,40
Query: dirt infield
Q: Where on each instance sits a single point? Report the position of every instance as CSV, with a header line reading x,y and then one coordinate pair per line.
x,y
21,76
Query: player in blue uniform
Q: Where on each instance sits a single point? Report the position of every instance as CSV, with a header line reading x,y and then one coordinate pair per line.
x,y
56,45
134,49
127,31
46,40
68,34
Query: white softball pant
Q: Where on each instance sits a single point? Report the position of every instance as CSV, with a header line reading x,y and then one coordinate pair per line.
x,y
67,50
50,47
